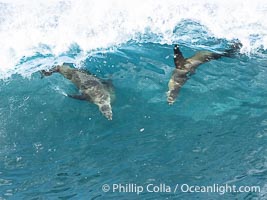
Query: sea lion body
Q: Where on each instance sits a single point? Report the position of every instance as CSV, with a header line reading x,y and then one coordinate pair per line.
x,y
92,89
184,68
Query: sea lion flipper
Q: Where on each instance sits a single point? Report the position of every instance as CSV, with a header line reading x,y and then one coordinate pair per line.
x,y
78,96
108,85
107,81
178,57
202,57
205,56
235,48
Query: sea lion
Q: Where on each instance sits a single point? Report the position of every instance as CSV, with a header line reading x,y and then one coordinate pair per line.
x,y
184,67
92,89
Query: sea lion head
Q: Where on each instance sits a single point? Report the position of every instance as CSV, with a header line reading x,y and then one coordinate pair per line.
x,y
172,95
177,80
106,110
173,91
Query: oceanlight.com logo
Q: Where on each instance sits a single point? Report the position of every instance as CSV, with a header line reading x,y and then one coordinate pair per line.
x,y
221,189
183,188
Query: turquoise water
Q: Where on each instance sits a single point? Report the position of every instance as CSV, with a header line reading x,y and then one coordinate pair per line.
x,y
56,147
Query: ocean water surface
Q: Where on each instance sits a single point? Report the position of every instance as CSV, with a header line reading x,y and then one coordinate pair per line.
x,y
55,147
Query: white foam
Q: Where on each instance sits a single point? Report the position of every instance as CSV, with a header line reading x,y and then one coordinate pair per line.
x,y
51,27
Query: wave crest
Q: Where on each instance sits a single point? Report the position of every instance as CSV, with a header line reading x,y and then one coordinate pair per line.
x,y
53,27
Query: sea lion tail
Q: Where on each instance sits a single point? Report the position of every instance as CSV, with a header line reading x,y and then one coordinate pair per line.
x,y
235,48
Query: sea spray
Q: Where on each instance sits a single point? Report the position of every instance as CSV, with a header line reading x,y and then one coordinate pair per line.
x,y
52,27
